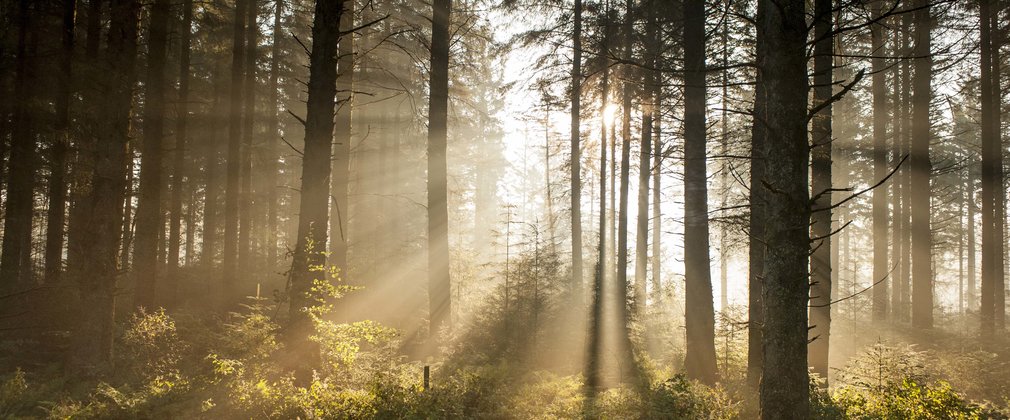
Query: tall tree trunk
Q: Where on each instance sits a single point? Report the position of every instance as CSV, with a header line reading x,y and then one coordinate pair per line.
x,y
657,165
234,155
14,273
315,186
576,287
342,144
990,163
595,350
439,284
273,134
103,210
179,167
879,201
149,214
212,187
971,294
700,361
645,161
56,216
999,221
897,217
756,224
246,226
820,189
922,274
782,63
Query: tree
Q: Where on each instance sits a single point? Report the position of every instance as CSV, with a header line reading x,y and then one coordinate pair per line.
x,y
820,189
315,185
179,167
272,135
576,153
439,283
342,144
245,208
922,271
149,212
879,201
781,63
991,161
103,212
699,313
232,172
644,158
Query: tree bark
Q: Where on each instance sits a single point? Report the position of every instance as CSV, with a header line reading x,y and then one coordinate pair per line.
x,y
756,225
782,64
878,202
315,186
990,162
820,188
247,201
273,134
342,143
922,270
648,107
99,266
149,214
179,167
699,361
439,284
576,288
234,155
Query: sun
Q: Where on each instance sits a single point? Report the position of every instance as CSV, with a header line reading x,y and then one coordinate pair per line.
x,y
609,113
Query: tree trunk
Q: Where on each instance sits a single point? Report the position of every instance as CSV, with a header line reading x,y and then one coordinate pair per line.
x,y
14,273
879,200
273,133
756,225
315,186
922,274
595,350
179,167
212,187
103,210
700,361
820,189
149,214
56,216
439,284
657,165
644,163
782,63
246,226
990,162
234,156
576,288
999,221
342,143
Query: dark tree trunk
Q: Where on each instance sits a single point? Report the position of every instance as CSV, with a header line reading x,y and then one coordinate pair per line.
x,y
820,188
576,288
657,165
999,221
439,284
315,186
756,226
990,163
14,273
179,167
922,274
149,212
700,362
342,143
273,133
212,182
246,226
879,201
644,163
233,170
782,64
56,215
595,345
103,203
622,222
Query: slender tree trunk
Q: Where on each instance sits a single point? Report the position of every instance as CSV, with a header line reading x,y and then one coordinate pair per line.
x,y
999,221
897,217
149,214
315,186
234,155
576,288
700,360
246,226
972,294
990,162
922,274
273,133
342,144
595,351
820,189
212,187
756,228
439,284
56,215
782,63
657,164
103,210
179,168
879,201
14,273
644,163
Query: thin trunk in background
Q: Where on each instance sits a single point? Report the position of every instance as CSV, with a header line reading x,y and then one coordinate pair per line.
x,y
878,202
922,270
576,288
56,215
233,170
179,167
439,284
247,201
342,142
